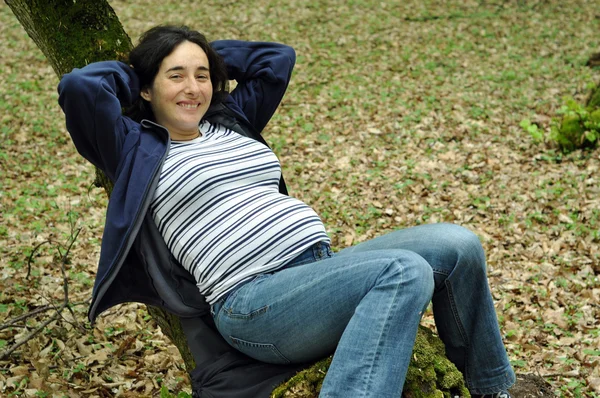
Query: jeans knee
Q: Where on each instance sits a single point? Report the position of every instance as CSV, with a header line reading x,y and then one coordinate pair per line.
x,y
423,281
467,245
412,275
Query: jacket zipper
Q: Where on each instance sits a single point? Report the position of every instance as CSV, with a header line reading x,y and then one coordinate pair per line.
x,y
139,219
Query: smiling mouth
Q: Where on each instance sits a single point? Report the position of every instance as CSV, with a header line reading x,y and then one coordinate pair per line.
x,y
189,106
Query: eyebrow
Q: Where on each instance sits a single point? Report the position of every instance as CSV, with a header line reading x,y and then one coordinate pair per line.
x,y
177,68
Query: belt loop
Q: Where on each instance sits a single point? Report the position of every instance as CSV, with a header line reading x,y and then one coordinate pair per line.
x,y
320,253
329,251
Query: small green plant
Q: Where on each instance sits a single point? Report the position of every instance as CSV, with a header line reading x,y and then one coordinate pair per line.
x,y
165,393
534,131
518,363
579,126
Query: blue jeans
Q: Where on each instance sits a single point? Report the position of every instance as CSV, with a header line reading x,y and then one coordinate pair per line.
x,y
364,304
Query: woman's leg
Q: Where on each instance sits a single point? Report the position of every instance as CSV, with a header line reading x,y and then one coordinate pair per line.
x,y
462,303
366,307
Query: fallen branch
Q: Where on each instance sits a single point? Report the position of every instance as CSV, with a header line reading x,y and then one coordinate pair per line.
x,y
31,335
31,313
571,373
57,314
65,281
30,258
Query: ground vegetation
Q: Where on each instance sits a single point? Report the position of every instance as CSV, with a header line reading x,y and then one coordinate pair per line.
x,y
397,115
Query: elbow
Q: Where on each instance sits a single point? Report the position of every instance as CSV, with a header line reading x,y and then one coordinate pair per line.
x,y
286,62
68,81
291,54
63,84
69,84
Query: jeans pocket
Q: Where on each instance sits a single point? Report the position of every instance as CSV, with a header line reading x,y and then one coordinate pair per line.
x,y
263,352
245,315
237,306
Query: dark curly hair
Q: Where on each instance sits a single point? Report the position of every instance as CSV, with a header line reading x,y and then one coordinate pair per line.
x,y
156,44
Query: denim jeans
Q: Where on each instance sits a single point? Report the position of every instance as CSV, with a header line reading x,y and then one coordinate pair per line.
x,y
364,305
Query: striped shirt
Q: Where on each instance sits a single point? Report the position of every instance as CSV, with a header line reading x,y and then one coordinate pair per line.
x,y
220,212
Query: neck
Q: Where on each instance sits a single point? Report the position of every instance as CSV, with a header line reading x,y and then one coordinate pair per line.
x,y
184,137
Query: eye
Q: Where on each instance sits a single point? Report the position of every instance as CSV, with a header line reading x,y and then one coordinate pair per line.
x,y
175,77
202,77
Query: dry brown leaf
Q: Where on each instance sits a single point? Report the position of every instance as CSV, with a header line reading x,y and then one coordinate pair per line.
x,y
98,357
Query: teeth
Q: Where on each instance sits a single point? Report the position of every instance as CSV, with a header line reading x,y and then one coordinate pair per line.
x,y
188,106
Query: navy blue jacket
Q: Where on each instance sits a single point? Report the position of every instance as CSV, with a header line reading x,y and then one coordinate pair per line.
x,y
135,264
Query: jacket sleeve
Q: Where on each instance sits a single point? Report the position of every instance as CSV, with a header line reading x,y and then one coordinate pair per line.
x,y
92,98
262,71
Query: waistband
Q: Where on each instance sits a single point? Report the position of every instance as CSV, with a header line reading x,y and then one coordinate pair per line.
x,y
317,251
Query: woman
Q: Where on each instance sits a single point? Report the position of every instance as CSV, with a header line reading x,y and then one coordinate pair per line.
x,y
188,160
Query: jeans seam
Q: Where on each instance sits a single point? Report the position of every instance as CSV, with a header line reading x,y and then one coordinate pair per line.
x,y
440,272
251,315
387,323
463,334
251,344
326,274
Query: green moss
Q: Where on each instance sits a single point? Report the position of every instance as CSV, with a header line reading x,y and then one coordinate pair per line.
x,y
73,34
430,374
305,384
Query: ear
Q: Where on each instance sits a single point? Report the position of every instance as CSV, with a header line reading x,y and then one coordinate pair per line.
x,y
146,94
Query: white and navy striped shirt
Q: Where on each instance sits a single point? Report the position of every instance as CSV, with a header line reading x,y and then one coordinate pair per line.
x,y
219,209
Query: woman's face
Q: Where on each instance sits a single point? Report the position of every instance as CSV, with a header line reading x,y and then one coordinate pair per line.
x,y
181,91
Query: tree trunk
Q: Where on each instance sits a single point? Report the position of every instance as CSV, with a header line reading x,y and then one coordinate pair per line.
x,y
430,374
72,34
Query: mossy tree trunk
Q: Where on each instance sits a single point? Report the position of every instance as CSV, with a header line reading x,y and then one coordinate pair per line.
x,y
71,34
74,33
430,374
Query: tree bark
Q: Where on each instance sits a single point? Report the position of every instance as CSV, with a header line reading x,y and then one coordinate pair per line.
x,y
73,33
430,374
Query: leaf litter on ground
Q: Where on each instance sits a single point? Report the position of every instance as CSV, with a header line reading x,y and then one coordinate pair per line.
x,y
397,115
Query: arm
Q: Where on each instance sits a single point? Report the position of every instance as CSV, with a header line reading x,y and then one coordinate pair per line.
x,y
92,98
262,71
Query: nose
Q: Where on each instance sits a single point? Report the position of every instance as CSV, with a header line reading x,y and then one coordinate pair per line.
x,y
192,87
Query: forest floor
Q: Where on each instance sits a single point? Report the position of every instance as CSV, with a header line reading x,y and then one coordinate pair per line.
x,y
398,114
